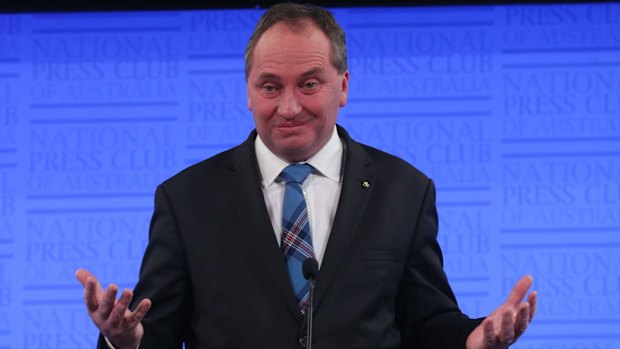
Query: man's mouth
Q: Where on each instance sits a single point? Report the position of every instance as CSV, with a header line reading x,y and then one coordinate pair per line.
x,y
292,124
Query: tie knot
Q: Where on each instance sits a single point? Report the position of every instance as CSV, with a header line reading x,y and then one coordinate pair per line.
x,y
296,173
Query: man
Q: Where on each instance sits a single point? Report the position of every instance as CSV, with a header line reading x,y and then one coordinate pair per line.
x,y
214,276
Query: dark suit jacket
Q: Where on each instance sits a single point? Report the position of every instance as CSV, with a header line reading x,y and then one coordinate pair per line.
x,y
217,278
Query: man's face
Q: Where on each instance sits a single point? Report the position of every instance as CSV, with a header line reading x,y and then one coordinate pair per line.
x,y
294,91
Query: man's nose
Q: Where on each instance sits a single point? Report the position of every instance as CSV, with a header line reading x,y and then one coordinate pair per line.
x,y
289,106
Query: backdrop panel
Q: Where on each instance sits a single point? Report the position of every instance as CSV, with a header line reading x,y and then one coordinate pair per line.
x,y
514,111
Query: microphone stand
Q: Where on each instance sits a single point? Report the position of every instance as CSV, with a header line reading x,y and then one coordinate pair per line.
x,y
311,283
310,268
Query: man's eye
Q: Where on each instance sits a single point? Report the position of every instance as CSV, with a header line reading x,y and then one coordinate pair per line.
x,y
269,89
311,85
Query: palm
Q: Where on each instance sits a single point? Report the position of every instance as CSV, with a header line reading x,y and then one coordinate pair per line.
x,y
508,322
112,317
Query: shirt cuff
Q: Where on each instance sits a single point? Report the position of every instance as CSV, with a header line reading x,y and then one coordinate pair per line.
x,y
107,341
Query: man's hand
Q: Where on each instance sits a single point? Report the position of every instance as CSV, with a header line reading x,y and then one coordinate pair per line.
x,y
508,322
116,322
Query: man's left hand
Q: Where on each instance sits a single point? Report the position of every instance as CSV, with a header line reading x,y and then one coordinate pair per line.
x,y
508,322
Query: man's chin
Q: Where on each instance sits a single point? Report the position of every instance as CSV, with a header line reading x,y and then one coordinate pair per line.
x,y
294,151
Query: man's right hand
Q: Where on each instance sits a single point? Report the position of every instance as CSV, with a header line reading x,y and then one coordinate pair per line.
x,y
116,322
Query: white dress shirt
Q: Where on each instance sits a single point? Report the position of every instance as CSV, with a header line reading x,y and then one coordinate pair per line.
x,y
321,189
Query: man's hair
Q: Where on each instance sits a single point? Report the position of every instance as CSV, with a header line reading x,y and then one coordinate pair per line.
x,y
297,16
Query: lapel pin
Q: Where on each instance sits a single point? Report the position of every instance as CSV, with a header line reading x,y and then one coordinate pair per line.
x,y
365,184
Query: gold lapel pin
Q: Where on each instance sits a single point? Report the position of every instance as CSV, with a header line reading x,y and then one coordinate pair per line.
x,y
365,184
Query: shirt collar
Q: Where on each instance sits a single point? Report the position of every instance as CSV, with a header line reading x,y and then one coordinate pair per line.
x,y
328,160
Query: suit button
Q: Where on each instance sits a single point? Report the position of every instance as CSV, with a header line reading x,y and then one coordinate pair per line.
x,y
302,341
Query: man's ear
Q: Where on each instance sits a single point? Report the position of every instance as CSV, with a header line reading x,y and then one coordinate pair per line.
x,y
344,89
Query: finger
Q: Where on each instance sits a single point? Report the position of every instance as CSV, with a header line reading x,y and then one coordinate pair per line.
x,y
136,317
490,339
532,299
523,319
90,297
107,301
82,274
519,290
507,329
120,308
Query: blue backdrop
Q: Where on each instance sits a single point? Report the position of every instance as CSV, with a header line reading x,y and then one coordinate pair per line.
x,y
513,110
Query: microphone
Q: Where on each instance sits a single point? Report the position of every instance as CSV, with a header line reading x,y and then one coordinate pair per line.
x,y
310,268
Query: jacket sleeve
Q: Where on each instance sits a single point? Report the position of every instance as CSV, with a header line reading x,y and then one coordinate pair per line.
x,y
164,280
427,310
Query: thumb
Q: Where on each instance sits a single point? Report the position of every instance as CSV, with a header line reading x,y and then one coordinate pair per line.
x,y
520,290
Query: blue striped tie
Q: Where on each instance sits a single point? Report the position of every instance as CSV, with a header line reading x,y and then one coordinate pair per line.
x,y
296,240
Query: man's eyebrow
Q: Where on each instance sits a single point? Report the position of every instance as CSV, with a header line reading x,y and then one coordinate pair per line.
x,y
271,76
312,72
268,76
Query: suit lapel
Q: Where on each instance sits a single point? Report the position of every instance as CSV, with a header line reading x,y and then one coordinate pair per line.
x,y
354,197
249,203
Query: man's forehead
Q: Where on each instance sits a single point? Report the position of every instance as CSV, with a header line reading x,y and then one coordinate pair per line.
x,y
301,47
294,26
305,30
